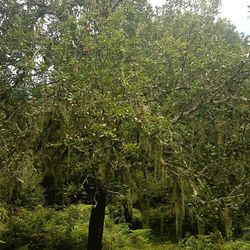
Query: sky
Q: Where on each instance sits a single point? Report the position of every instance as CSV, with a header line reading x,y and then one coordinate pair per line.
x,y
234,10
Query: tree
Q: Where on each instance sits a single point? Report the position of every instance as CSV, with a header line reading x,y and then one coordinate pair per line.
x,y
111,98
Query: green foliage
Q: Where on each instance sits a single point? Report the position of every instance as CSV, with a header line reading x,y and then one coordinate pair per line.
x,y
236,245
140,237
192,243
246,233
46,228
115,236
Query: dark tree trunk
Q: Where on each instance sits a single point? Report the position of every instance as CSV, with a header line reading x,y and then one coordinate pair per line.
x,y
97,220
127,212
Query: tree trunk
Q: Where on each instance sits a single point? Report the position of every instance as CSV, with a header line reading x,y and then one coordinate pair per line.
x,y
201,228
127,212
162,224
145,213
96,222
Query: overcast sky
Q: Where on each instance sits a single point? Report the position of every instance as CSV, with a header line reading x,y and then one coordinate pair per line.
x,y
235,10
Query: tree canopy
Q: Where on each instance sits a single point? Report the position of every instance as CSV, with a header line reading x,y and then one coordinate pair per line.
x,y
119,104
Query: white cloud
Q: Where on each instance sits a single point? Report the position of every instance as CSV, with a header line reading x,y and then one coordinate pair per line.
x,y
234,10
157,2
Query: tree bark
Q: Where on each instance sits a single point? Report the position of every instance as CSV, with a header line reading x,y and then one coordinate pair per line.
x,y
96,222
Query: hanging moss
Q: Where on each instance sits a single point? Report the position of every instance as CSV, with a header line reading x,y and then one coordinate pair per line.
x,y
178,197
51,156
156,155
227,218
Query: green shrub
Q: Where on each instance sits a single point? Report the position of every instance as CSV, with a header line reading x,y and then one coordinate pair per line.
x,y
46,228
246,233
115,236
69,229
140,236
236,245
3,219
201,243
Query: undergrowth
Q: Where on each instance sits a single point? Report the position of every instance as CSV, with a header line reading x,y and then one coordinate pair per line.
x,y
49,229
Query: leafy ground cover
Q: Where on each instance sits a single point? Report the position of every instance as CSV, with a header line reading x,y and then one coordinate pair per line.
x,y
46,228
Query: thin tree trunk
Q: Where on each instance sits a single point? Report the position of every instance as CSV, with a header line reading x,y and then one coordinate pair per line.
x,y
201,228
96,222
145,213
162,223
127,212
